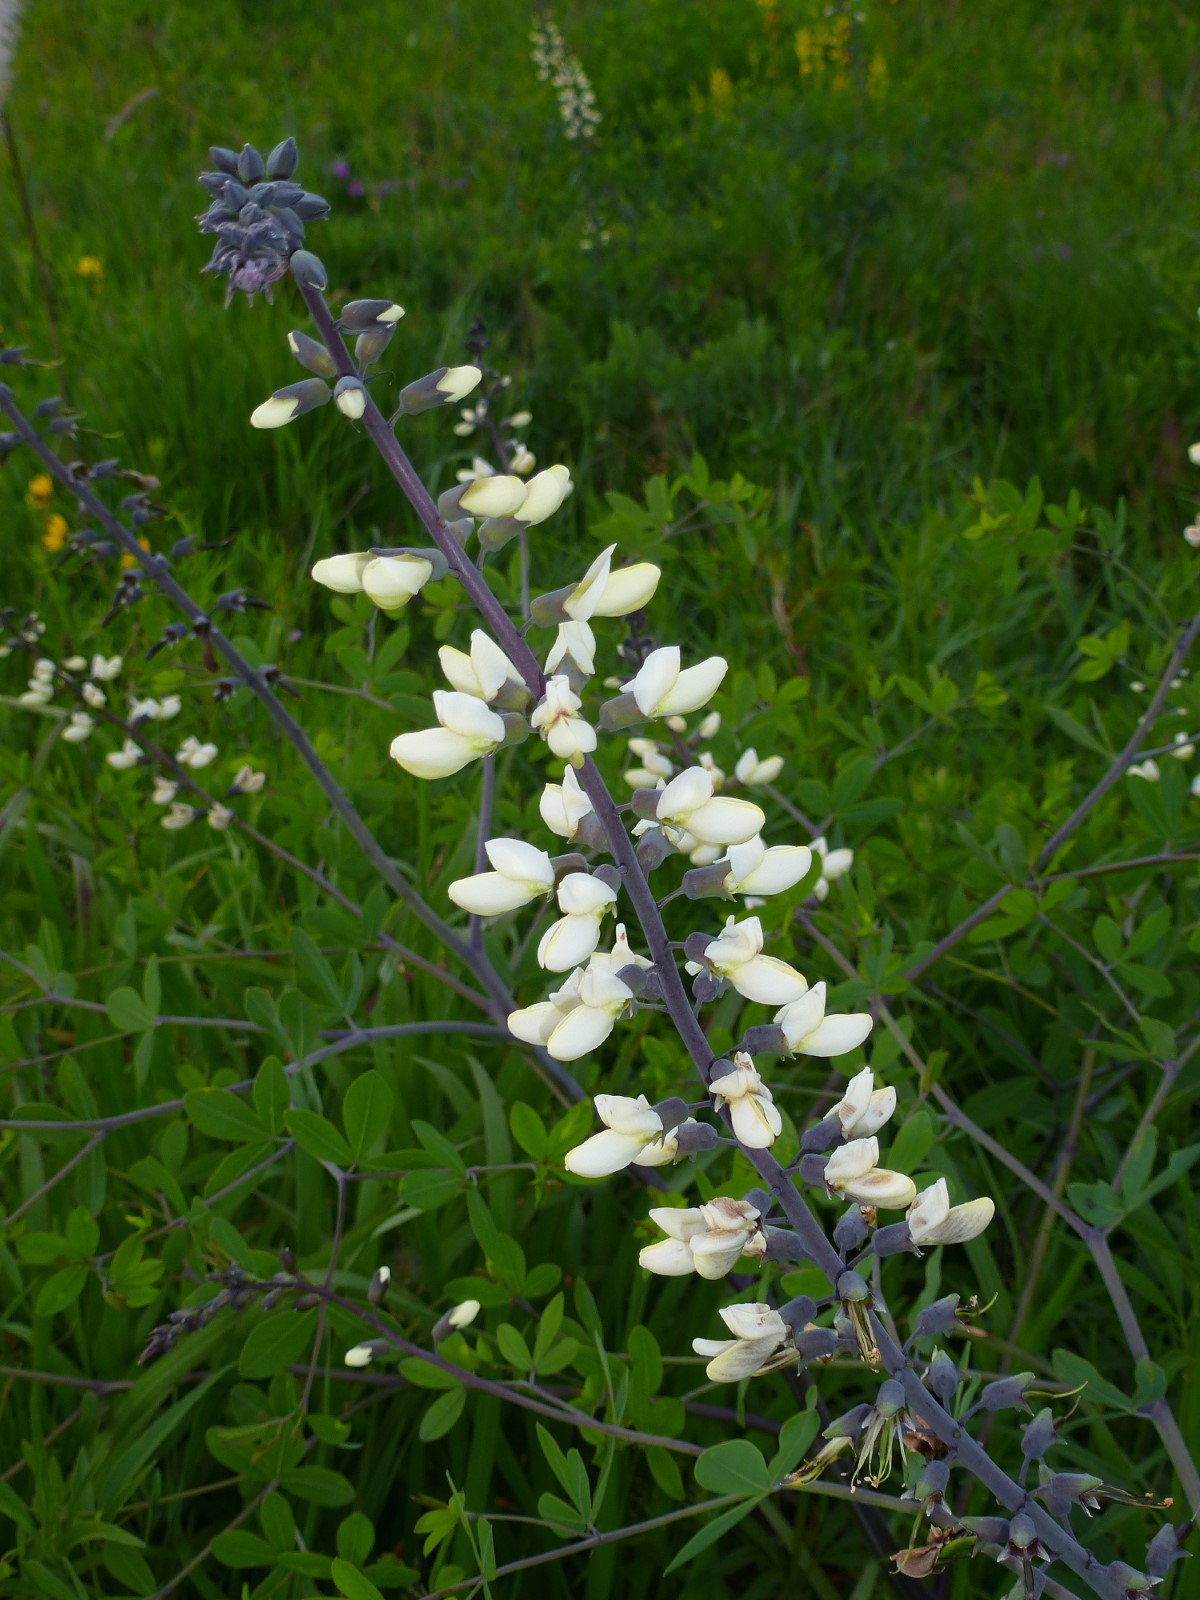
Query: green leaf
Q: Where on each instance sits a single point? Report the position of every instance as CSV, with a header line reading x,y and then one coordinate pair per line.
x,y
320,1485
128,1012
61,1290
513,1348
272,1094
712,1531
317,1135
355,1538
1095,1203
442,1414
222,1115
529,1130
913,1142
278,1522
1075,1370
366,1112
557,1512
285,1337
117,1475
664,1469
238,1548
797,1433
733,1467
351,1582
316,970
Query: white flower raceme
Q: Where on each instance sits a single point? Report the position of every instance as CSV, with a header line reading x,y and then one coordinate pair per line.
x,y
483,672
567,734
577,1018
585,902
94,695
662,689
750,769
192,753
755,869
106,668
809,1032
467,731
179,816
564,806
219,816
756,1121
706,1239
853,1171
655,764
79,726
522,873
392,581
736,955
933,1220
543,495
247,781
1147,769
688,805
165,790
633,1136
864,1109
576,642
127,756
834,864
759,1333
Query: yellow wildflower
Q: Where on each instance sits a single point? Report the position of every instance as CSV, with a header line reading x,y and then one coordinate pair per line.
x,y
128,561
39,491
54,535
720,88
90,267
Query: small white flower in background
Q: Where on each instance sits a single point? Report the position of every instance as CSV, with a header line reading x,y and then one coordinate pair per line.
x,y
687,804
468,730
564,806
360,1356
479,468
519,419
755,869
1184,748
576,642
79,726
706,1239
219,816
522,461
106,668
736,955
37,694
463,1314
633,1136
933,1220
1192,535
93,695
655,764
342,574
543,495
165,790
146,710
483,672
834,864
1147,769
127,756
710,726
1195,788
169,706
179,816
472,417
1137,688
750,769
192,753
392,581
75,663
585,902
809,1032
707,762
1194,454
863,1109
663,689
853,1171
567,734
522,873
43,670
758,1331
577,1018
756,1121
247,781
496,495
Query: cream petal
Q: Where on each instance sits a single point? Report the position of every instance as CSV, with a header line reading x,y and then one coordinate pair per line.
x,y
392,581
716,1251
669,1258
694,687
535,1024
679,1222
628,589
584,1029
740,1359
661,1152
782,868
755,1320
929,1210
684,794
495,496
964,1222
522,861
602,1154
580,604
544,494
567,942
433,753
851,1161
627,1115
582,895
756,1122
724,820
488,894
653,682
464,714
893,1191
768,981
880,1107
342,574
836,1035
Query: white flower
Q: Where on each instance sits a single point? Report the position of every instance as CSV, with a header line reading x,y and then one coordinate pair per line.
x,y
350,398
219,816
755,869
248,781
179,816
577,1018
456,383
127,756
564,806
834,864
706,1239
519,419
619,957
809,1032
342,574
756,1122
568,735
601,592
522,461
494,496
165,790
192,753
522,873
688,804
360,1355
736,955
479,468
853,1171
1195,788
863,1109
1147,769
1192,535
483,672
79,726
750,769
169,706
392,581
1184,748
1194,454
576,642
94,695
655,764
37,694
633,1136
44,669
463,1314
468,730
933,1220
710,726
661,689
585,902
276,412
72,664
758,1333
544,493
105,668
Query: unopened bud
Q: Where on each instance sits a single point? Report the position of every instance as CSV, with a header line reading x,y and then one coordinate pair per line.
x,y
821,1135
308,270
891,1240
286,404
281,163
311,353
378,1286
816,1344
653,847
444,387
455,1320
695,1137
939,1319
621,712
368,347
287,1258
361,316
766,1039
799,1312
1037,1436
943,1376
851,1231
350,397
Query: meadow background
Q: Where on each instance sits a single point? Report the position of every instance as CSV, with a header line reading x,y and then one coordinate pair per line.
x,y
830,289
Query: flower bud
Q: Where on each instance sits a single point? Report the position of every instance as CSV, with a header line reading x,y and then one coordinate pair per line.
x,y
943,1376
455,1320
286,404
494,496
308,270
816,1344
1006,1393
891,1240
378,1286
312,354
446,386
343,574
939,1319
368,347
851,1230
363,316
281,163
653,847
350,397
